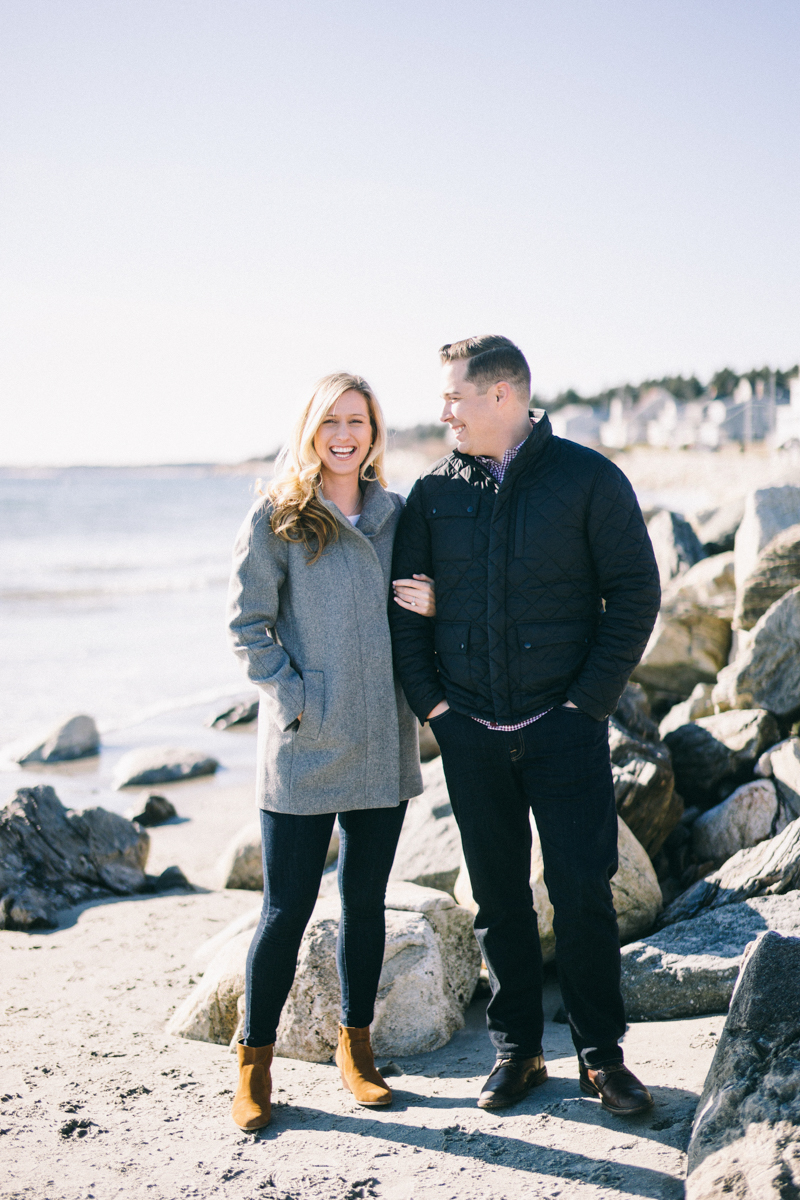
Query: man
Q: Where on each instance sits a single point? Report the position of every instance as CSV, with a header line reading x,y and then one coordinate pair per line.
x,y
546,593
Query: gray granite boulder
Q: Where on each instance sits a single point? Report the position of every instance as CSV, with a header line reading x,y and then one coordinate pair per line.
x,y
161,764
745,1140
766,670
157,810
784,768
644,787
776,571
697,705
75,737
430,969
767,512
692,635
751,814
717,530
769,869
675,543
429,850
52,858
717,750
633,712
691,967
240,865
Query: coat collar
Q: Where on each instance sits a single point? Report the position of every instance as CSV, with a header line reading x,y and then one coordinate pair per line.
x,y
474,471
375,512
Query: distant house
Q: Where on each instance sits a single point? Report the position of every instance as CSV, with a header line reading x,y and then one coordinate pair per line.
x,y
787,418
578,422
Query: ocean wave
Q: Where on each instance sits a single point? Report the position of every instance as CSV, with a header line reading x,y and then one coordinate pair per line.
x,y
60,595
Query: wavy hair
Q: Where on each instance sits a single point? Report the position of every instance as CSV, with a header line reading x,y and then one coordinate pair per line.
x,y
298,514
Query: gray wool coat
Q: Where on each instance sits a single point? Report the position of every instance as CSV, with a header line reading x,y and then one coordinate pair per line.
x,y
315,640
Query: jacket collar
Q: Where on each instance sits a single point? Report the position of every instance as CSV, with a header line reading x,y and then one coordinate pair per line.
x,y
531,448
375,511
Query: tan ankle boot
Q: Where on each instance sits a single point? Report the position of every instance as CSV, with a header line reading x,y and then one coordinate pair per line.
x,y
359,1074
251,1105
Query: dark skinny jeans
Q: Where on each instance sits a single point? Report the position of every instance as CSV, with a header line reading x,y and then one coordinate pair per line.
x,y
294,850
559,768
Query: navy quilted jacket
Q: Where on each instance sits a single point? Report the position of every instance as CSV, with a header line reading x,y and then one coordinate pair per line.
x,y
546,585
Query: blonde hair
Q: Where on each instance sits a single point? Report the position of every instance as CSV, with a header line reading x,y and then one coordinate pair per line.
x,y
298,514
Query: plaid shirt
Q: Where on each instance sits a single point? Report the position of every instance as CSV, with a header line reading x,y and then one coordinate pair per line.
x,y
498,469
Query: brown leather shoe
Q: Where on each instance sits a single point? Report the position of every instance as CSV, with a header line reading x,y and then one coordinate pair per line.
x,y
357,1067
619,1090
511,1080
251,1107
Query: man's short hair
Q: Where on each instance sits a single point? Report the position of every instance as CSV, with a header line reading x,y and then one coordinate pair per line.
x,y
491,358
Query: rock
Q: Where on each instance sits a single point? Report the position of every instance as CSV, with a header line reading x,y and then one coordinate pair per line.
x,y
745,1139
698,705
157,810
784,762
769,869
76,737
767,671
633,711
51,858
429,850
691,967
675,544
767,512
241,713
718,531
643,787
751,814
637,896
431,966
240,866
691,639
428,745
169,880
161,764
711,751
776,571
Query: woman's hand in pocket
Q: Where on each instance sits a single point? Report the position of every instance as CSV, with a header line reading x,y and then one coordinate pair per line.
x,y
416,594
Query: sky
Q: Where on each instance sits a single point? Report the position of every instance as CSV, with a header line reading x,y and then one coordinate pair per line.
x,y
205,206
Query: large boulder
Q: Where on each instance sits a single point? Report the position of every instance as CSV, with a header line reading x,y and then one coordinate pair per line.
x,y
770,868
691,638
240,865
633,711
717,530
51,858
698,704
767,512
691,968
751,814
776,571
431,965
784,765
675,543
712,752
643,787
766,672
161,764
429,850
637,896
240,713
75,737
745,1140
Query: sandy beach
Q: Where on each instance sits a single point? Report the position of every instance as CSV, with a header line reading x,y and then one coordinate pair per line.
x,y
98,1101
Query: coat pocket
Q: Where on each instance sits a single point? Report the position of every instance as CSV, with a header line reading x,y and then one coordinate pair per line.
x,y
314,711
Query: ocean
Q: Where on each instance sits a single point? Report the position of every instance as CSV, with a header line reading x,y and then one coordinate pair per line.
x,y
112,591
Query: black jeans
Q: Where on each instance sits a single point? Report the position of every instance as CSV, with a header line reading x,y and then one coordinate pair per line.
x,y
559,768
294,850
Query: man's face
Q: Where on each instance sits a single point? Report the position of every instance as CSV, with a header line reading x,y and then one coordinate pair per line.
x,y
471,415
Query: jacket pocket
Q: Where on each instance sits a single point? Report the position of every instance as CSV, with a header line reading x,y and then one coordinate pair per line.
x,y
550,653
452,525
451,640
314,711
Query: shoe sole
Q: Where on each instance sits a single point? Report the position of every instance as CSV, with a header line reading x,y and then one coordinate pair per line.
x,y
535,1081
253,1128
589,1089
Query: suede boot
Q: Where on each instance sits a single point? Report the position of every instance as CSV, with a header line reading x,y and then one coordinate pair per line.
x,y
357,1066
251,1105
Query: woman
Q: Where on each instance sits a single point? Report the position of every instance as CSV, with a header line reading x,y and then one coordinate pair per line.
x,y
307,614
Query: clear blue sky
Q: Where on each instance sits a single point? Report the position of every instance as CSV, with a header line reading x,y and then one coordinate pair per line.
x,y
205,206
